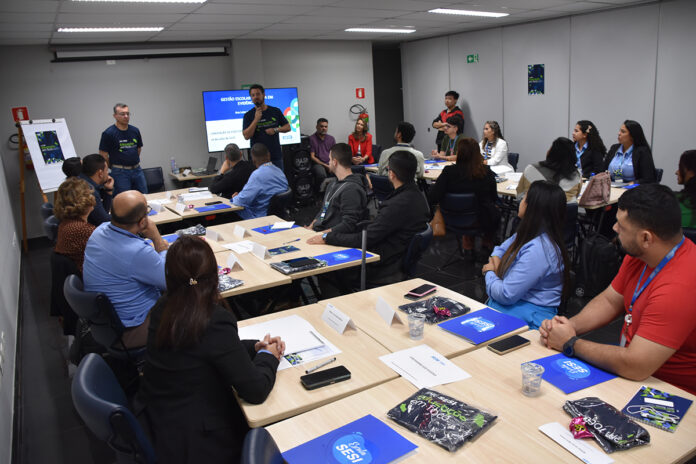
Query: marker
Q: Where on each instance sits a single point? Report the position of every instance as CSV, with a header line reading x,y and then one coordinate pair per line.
x,y
319,366
296,240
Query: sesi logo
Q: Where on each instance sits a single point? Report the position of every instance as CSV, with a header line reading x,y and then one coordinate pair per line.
x,y
351,449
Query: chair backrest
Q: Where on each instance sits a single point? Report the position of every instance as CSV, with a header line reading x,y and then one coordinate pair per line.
x,y
260,448
51,227
358,169
689,233
513,159
376,152
658,175
105,325
61,268
419,243
459,210
570,227
46,210
279,205
103,406
381,186
154,179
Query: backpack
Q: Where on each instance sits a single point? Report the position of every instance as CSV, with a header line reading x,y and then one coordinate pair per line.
x,y
599,263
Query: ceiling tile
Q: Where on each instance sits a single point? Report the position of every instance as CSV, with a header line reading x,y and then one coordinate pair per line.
x,y
196,35
27,6
29,27
256,19
27,18
215,27
65,19
234,8
357,12
347,22
127,8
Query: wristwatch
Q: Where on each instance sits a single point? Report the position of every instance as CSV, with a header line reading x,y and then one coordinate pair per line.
x,y
323,236
568,347
276,129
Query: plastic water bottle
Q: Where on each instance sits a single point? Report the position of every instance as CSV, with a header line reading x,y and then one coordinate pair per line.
x,y
359,149
173,163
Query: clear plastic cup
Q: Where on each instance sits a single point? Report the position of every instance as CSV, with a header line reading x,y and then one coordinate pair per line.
x,y
416,324
531,378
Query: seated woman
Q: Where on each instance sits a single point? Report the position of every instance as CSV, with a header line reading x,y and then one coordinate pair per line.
x,y
558,168
196,362
686,176
470,175
453,132
360,142
494,148
589,148
73,203
529,274
631,160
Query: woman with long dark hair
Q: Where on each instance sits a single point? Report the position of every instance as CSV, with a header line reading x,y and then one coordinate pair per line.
x,y
494,148
196,362
558,167
360,142
529,274
686,176
631,160
589,148
470,175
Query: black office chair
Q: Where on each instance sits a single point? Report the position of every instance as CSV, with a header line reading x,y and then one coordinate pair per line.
x,y
570,229
358,169
103,406
260,448
381,187
61,268
459,213
376,152
280,205
51,228
513,159
154,179
658,175
689,233
46,210
419,243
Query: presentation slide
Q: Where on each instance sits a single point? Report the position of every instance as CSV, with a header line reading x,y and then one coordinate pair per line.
x,y
224,113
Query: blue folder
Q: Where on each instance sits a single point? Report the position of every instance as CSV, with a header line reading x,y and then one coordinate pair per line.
x,y
343,256
483,325
571,374
265,230
205,209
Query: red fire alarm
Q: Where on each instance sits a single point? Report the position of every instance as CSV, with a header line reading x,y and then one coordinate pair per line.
x,y
20,113
359,93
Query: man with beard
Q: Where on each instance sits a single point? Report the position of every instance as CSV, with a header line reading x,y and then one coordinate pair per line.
x,y
654,292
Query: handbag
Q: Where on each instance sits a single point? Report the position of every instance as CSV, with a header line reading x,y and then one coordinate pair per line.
x,y
438,224
598,190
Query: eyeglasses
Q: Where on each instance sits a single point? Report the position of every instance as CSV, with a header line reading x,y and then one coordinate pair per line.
x,y
123,114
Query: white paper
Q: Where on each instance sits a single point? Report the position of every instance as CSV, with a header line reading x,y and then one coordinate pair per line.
x,y
424,367
514,176
186,172
49,174
159,202
156,207
282,225
580,449
336,319
240,232
511,187
180,208
233,262
212,235
260,251
435,167
386,312
309,356
297,333
245,246
195,196
198,189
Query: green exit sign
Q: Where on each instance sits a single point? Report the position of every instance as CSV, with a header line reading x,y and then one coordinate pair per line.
x,y
472,58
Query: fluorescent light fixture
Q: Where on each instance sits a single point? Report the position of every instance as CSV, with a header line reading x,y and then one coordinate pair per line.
x,y
111,29
144,1
487,14
380,30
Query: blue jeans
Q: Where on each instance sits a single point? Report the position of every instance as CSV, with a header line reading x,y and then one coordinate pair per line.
x,y
128,179
532,314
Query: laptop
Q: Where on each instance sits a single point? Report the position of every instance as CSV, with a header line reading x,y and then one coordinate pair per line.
x,y
210,169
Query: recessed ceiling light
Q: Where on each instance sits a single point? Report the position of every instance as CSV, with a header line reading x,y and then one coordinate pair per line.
x,y
110,29
380,30
488,14
145,1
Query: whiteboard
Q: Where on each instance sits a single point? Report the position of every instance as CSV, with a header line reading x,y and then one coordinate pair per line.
x,y
49,145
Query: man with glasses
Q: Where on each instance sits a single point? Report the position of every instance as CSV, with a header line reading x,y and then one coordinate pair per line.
x,y
120,263
120,145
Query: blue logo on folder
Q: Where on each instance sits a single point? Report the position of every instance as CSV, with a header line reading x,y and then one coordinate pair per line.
x,y
573,368
479,324
570,374
351,448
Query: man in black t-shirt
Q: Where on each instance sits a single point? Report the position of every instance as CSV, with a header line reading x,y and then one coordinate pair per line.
x,y
263,123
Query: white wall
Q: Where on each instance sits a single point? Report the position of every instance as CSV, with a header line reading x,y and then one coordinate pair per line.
x,y
165,96
627,63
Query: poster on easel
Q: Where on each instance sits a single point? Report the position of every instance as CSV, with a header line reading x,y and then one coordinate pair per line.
x,y
49,145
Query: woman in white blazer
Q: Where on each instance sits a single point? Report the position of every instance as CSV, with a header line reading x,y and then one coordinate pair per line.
x,y
494,148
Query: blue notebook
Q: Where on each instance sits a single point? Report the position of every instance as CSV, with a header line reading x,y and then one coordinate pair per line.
x,y
571,374
367,439
205,209
483,325
657,408
343,256
267,229
171,238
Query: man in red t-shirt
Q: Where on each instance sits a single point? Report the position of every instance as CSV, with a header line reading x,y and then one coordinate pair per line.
x,y
659,331
451,109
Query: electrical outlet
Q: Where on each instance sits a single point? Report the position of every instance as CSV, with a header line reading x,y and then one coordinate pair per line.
x,y
14,239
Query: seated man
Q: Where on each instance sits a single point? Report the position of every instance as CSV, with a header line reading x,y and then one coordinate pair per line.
x,y
234,173
403,214
266,181
72,167
320,144
345,201
402,136
654,289
96,172
126,268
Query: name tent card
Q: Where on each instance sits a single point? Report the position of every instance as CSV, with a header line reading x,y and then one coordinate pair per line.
x,y
240,232
213,235
180,208
337,319
260,251
386,312
233,262
157,207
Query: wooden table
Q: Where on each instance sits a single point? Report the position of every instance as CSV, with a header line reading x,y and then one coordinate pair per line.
x,y
495,386
502,188
256,274
359,353
188,212
179,177
226,231
361,309
429,174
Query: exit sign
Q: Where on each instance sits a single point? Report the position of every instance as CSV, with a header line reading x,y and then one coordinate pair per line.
x,y
472,58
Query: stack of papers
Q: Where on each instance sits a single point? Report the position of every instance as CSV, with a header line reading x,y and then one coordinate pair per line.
x,y
424,367
245,246
195,196
283,225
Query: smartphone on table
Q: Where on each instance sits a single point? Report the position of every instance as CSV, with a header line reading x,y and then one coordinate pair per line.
x,y
419,292
509,344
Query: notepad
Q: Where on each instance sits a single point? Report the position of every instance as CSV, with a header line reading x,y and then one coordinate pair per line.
x,y
483,325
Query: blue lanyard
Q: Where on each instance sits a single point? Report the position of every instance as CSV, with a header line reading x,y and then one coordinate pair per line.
x,y
639,288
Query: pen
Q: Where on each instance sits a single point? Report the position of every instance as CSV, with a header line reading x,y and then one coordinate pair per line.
x,y
296,240
319,366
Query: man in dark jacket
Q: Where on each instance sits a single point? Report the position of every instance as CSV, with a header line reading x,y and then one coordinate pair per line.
x,y
96,172
345,201
403,214
234,173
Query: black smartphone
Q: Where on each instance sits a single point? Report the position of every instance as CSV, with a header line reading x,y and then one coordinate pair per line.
x,y
300,262
213,203
419,292
509,344
324,378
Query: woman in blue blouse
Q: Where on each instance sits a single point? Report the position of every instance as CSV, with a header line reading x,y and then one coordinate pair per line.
x,y
529,274
631,160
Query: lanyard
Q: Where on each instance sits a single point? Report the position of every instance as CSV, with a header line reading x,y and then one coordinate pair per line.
x,y
451,146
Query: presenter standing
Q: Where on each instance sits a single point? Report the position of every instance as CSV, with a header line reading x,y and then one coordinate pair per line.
x,y
263,123
120,145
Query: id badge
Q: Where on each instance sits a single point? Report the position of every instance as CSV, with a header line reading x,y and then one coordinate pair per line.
x,y
323,211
